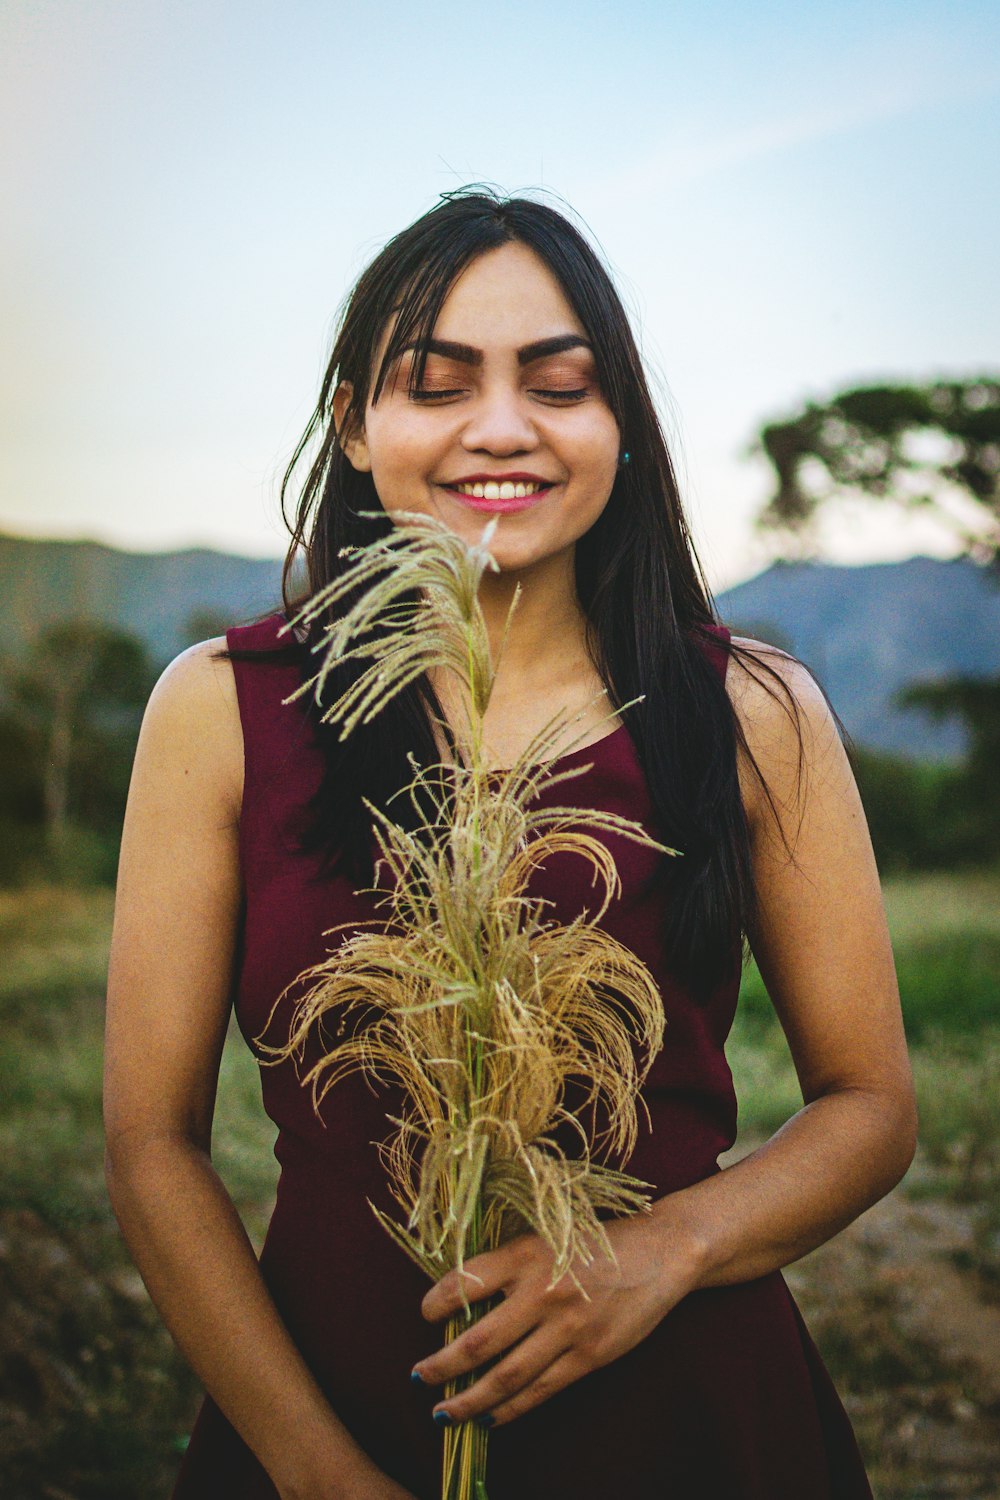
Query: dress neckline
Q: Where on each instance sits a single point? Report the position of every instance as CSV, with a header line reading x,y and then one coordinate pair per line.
x,y
579,753
567,757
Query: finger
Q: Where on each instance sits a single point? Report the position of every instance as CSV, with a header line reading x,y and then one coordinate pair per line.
x,y
504,1381
497,1331
561,1373
481,1277
457,1289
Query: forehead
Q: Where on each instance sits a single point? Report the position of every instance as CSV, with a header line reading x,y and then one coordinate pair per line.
x,y
506,298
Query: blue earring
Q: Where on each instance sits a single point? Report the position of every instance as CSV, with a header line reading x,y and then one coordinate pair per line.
x,y
625,458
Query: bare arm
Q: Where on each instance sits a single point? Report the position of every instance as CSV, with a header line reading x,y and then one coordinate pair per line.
x,y
176,920
823,950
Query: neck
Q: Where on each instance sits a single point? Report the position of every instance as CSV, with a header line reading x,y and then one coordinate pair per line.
x,y
547,632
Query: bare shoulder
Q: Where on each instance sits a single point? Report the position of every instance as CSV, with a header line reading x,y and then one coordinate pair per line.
x,y
786,719
202,674
192,721
763,681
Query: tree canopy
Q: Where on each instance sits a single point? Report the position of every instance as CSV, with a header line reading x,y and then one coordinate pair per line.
x,y
933,446
70,717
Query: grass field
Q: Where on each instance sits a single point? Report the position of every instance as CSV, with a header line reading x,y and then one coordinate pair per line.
x,y
98,1398
101,1402
946,938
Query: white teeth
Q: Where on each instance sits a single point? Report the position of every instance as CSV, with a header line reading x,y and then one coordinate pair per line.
x,y
491,490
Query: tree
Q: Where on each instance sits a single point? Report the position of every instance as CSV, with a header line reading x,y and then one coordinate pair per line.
x,y
917,447
977,702
933,447
76,699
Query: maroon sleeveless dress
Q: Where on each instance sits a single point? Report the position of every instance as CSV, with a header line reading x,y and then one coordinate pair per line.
x,y
727,1397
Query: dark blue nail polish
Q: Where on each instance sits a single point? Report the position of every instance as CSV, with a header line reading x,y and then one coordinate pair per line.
x,y
417,1378
443,1418
486,1420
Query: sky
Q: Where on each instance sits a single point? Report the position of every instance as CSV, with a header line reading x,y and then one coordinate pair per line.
x,y
793,200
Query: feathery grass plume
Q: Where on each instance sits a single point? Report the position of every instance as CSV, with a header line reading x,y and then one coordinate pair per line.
x,y
466,995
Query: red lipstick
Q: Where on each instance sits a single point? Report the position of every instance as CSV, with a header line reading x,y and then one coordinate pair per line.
x,y
498,504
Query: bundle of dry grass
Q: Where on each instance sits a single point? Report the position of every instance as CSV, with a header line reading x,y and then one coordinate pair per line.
x,y
466,995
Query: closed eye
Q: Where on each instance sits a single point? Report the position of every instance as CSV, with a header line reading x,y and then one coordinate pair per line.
x,y
425,395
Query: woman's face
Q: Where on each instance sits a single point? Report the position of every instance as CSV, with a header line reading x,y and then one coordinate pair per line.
x,y
509,413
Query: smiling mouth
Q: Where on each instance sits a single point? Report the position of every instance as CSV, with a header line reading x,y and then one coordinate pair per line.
x,y
506,490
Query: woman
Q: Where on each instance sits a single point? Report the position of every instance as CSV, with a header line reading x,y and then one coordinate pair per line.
x,y
484,364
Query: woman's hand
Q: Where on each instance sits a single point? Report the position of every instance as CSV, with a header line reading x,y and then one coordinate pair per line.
x,y
560,1334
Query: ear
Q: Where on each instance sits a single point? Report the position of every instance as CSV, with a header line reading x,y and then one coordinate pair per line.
x,y
352,440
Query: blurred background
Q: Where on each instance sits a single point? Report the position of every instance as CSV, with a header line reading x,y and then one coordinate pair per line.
x,y
802,208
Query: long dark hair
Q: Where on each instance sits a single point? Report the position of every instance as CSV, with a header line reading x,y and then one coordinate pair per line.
x,y
648,609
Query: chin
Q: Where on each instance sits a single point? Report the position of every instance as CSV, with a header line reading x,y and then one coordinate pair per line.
x,y
523,554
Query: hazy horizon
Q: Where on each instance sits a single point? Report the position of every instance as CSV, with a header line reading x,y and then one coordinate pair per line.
x,y
277,557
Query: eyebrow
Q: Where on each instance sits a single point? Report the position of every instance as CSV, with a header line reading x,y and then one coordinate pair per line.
x,y
465,354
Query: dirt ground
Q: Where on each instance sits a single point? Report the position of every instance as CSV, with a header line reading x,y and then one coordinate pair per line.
x,y
909,1332
912,1337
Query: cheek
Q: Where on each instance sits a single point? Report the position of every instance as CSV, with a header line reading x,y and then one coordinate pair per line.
x,y
598,450
399,448
594,434
598,453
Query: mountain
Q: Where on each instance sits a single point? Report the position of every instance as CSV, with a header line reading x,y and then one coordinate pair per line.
x,y
154,595
868,631
864,631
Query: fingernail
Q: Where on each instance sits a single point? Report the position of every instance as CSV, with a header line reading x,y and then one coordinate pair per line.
x,y
416,1377
443,1418
486,1420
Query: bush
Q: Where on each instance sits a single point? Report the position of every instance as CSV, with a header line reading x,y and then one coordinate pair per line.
x,y
85,856
960,1108
949,983
918,813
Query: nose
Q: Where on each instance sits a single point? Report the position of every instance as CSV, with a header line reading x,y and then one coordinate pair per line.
x,y
499,423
